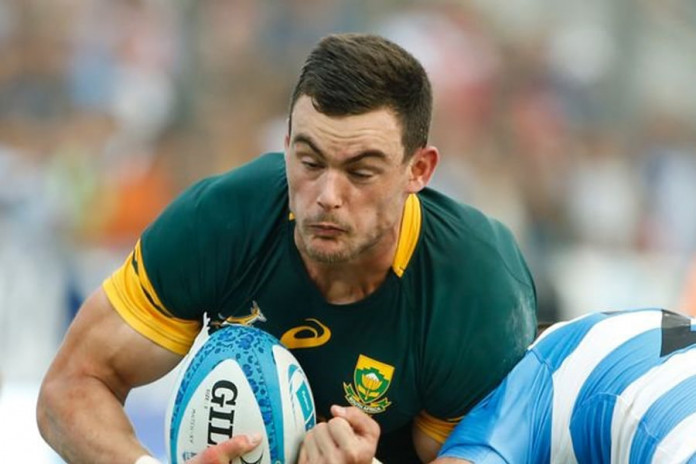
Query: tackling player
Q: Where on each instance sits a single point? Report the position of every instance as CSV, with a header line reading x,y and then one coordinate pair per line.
x,y
614,387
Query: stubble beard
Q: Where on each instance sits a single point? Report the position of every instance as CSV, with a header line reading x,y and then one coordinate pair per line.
x,y
348,252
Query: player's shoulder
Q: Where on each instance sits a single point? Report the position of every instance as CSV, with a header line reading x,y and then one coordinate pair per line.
x,y
267,167
465,240
251,191
254,180
246,203
471,273
463,227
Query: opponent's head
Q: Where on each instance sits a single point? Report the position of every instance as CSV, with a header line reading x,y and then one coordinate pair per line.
x,y
356,146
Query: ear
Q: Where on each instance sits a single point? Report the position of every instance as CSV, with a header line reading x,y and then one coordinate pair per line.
x,y
421,167
286,147
286,140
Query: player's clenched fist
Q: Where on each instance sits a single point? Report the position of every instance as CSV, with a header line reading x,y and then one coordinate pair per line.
x,y
350,437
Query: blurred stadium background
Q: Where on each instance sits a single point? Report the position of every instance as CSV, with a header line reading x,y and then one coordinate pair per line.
x,y
572,121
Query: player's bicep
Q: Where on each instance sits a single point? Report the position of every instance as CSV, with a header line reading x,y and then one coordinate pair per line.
x,y
425,441
101,345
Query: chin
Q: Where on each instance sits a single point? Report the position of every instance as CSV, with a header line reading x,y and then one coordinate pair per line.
x,y
328,256
329,252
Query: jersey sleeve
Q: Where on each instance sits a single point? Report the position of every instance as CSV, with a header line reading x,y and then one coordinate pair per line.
x,y
190,258
130,292
512,424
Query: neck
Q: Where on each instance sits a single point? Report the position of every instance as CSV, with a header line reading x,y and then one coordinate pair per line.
x,y
348,282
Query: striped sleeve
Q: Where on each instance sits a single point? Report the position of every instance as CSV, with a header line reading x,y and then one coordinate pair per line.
x,y
437,429
130,292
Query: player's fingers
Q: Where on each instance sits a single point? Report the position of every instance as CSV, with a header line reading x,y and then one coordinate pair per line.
x,y
327,447
224,452
342,433
302,456
353,448
232,448
310,445
363,424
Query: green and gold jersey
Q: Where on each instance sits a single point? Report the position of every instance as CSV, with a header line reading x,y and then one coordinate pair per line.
x,y
453,316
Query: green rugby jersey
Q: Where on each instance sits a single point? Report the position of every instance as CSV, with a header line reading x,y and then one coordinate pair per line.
x,y
453,316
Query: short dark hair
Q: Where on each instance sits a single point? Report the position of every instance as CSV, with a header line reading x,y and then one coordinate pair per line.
x,y
350,74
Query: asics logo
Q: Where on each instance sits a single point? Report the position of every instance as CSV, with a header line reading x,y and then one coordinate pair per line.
x,y
309,335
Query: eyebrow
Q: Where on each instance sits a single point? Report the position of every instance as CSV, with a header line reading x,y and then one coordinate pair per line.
x,y
302,138
307,140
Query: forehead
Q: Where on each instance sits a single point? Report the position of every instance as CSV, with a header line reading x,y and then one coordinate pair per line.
x,y
375,130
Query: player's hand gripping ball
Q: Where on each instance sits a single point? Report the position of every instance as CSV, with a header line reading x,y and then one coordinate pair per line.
x,y
240,381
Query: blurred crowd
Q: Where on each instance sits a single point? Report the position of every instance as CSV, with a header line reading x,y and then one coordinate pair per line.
x,y
572,121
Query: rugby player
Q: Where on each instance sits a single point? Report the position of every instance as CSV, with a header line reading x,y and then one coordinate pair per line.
x,y
398,301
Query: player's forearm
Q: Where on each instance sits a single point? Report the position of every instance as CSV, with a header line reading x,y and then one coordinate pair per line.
x,y
85,423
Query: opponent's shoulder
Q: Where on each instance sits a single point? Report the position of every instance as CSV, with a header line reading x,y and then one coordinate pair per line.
x,y
593,332
649,317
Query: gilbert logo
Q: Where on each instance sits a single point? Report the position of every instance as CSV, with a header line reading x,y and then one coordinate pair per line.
x,y
223,401
309,335
221,414
371,380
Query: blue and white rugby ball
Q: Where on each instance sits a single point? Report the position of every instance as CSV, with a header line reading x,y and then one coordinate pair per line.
x,y
240,381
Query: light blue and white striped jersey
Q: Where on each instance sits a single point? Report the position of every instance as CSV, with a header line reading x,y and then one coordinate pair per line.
x,y
615,387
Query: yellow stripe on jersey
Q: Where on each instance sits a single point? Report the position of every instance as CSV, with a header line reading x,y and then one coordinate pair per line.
x,y
408,235
129,290
437,429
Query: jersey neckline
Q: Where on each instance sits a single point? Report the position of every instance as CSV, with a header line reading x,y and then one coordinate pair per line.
x,y
316,296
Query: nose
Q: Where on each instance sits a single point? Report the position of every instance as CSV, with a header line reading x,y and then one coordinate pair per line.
x,y
330,191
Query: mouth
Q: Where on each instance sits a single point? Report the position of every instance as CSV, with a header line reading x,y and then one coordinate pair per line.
x,y
325,229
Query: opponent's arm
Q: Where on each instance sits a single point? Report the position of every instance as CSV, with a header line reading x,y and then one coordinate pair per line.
x,y
80,407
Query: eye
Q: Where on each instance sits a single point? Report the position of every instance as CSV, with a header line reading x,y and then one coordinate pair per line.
x,y
311,164
361,174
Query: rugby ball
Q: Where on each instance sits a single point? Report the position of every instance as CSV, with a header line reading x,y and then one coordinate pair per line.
x,y
241,380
